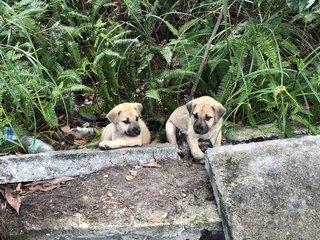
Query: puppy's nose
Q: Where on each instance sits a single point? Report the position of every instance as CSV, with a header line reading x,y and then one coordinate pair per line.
x,y
136,130
198,129
132,132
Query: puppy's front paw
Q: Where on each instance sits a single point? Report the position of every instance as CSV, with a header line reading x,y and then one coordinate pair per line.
x,y
198,155
178,150
105,145
183,132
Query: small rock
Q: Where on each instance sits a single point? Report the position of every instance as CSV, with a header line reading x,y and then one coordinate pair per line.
x,y
133,172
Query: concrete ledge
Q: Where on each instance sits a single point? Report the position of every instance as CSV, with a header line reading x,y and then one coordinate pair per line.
x,y
246,134
268,190
160,203
188,226
43,166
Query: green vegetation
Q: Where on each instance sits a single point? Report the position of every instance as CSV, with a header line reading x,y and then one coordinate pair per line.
x,y
258,58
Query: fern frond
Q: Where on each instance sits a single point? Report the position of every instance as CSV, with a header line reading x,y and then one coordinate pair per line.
x,y
227,86
107,53
73,49
267,46
126,42
49,114
79,87
177,73
134,8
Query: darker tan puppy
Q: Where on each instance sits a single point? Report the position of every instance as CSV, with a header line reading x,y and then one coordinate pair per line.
x,y
200,118
126,128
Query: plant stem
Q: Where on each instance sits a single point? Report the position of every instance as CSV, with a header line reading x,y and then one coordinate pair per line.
x,y
206,53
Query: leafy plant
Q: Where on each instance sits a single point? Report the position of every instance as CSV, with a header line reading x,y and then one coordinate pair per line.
x,y
262,80
29,94
69,58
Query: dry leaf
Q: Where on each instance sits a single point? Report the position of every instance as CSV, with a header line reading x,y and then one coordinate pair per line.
x,y
77,134
156,219
107,199
85,198
107,212
46,186
151,165
80,142
34,188
66,129
130,177
74,135
18,188
59,180
49,188
12,198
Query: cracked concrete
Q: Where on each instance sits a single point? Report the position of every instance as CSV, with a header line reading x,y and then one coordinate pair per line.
x,y
262,190
77,162
191,217
268,190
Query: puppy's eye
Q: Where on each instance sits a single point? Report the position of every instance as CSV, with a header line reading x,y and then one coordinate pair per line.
x,y
126,121
195,115
208,118
137,118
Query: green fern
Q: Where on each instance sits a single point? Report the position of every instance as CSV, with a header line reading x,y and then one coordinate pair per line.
x,y
73,49
177,74
49,114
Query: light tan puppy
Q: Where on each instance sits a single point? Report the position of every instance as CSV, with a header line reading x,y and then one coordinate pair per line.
x,y
126,128
200,118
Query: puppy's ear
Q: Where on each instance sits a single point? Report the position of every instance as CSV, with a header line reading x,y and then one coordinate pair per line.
x,y
190,106
113,115
220,111
138,107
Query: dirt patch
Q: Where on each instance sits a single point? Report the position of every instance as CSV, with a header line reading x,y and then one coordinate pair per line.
x,y
114,194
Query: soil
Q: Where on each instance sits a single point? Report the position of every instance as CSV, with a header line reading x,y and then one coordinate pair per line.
x,y
111,191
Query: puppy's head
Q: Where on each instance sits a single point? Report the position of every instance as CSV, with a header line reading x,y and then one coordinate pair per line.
x,y
205,112
126,117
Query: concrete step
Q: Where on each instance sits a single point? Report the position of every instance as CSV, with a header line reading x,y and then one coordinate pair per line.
x,y
268,190
173,202
49,165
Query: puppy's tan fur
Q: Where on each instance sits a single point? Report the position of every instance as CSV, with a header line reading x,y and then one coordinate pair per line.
x,y
126,128
200,118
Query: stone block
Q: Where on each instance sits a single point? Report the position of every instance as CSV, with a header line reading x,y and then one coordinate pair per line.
x,y
268,190
43,166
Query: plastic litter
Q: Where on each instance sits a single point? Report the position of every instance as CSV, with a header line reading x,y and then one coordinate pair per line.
x,y
33,145
8,135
